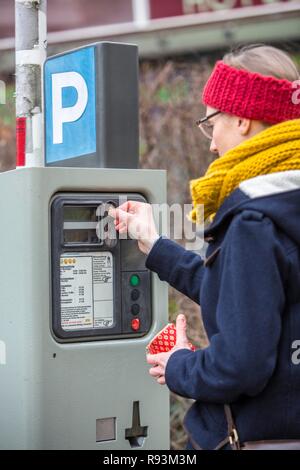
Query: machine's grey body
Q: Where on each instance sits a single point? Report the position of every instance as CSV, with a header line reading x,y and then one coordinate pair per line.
x,y
51,393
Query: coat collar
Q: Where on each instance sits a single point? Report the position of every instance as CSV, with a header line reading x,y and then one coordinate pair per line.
x,y
230,206
276,194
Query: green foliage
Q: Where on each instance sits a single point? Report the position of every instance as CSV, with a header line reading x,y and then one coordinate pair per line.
x,y
173,309
173,94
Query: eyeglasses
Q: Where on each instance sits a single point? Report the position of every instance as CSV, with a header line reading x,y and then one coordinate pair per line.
x,y
207,127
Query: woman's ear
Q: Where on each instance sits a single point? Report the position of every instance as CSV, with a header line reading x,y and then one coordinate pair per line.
x,y
244,126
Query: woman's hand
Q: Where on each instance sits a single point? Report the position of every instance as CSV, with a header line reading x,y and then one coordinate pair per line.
x,y
159,361
136,218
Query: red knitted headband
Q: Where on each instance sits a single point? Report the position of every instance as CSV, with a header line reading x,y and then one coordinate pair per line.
x,y
250,95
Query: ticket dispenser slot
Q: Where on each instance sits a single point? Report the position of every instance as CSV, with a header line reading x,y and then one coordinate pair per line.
x,y
100,285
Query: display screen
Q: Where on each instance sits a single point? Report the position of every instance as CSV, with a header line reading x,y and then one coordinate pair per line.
x,y
85,224
80,236
80,224
80,214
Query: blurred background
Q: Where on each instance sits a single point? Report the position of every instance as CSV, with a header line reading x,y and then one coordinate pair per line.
x,y
179,41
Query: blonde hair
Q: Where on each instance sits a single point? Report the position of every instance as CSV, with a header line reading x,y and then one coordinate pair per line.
x,y
263,59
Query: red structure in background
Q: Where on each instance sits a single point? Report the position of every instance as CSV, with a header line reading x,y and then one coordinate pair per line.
x,y
159,9
71,14
165,8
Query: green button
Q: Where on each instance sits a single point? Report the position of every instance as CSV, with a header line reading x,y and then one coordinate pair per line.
x,y
134,280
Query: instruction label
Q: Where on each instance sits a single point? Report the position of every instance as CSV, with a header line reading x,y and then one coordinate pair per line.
x,y
86,290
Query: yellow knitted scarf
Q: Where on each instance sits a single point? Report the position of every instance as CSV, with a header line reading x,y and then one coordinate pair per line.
x,y
276,148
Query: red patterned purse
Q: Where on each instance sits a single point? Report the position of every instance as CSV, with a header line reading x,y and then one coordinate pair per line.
x,y
164,340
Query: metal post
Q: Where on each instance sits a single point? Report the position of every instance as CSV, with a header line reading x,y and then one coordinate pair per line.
x,y
141,12
31,44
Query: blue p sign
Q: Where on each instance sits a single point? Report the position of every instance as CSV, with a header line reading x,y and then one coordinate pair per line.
x,y
70,105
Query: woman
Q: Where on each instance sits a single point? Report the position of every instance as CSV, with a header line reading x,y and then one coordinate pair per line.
x,y
249,285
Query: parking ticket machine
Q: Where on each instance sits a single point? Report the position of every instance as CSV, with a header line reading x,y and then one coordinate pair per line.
x,y
78,305
100,285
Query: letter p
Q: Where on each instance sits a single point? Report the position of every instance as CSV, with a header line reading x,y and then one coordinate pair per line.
x,y
60,114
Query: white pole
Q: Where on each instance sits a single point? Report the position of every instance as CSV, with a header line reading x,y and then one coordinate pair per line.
x,y
141,12
31,44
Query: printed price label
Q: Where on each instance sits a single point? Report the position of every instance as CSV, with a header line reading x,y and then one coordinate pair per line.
x,y
86,290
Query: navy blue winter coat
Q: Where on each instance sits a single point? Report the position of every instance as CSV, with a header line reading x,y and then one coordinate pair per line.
x,y
249,292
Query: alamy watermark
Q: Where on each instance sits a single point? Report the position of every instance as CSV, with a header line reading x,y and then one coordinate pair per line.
x,y
296,353
141,221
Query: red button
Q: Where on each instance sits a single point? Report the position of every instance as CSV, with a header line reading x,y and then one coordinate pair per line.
x,y
135,324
